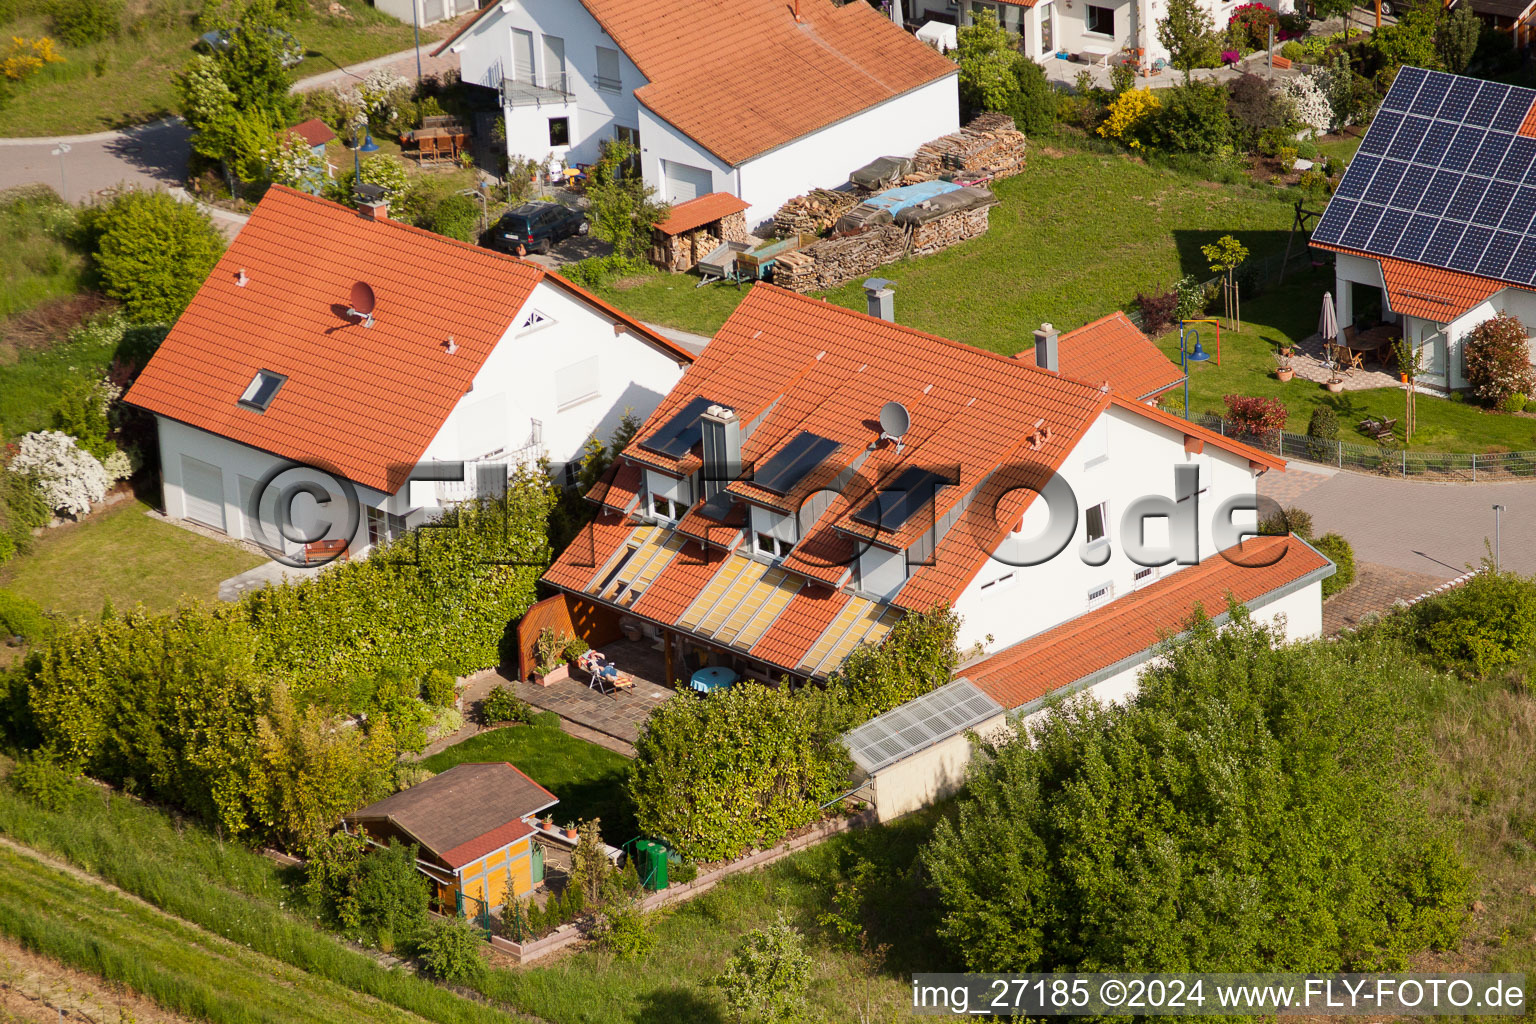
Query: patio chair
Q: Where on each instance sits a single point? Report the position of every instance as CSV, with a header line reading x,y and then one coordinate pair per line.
x,y
428,149
1356,360
602,675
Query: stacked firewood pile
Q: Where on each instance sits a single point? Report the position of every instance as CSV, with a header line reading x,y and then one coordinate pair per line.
x,y
951,229
990,145
832,261
814,213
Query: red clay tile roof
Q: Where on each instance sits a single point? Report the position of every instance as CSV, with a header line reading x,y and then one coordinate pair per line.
x,y
1104,638
799,626
1113,349
363,402
619,486
492,841
1430,293
743,78
314,131
695,213
589,551
1528,126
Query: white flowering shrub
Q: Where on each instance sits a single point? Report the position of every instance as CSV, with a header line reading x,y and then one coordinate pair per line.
x,y
71,480
1310,101
118,466
294,164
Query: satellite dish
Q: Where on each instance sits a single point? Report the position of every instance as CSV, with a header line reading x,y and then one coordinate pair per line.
x,y
895,421
363,303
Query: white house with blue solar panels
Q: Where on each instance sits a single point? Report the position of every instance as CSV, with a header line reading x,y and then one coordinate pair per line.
x,y
1434,222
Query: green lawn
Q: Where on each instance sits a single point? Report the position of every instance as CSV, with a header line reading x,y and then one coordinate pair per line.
x,y
31,380
38,260
588,779
123,554
1290,313
131,79
1075,236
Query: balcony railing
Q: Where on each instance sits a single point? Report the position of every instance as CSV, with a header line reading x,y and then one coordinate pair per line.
x,y
532,90
486,476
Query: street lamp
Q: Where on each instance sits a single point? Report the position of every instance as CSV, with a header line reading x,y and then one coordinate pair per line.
x,y
367,146
1187,356
59,152
1498,515
479,193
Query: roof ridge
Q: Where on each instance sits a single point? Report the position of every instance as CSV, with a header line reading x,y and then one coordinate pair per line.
x,y
1103,319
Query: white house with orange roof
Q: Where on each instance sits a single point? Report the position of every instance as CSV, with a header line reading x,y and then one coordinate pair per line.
x,y
760,100
818,473
1437,215
343,349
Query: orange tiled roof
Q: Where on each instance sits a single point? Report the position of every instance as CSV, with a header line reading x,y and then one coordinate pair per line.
x,y
492,841
799,625
761,80
670,594
588,551
695,213
1430,293
314,131
1113,349
363,402
1102,639
619,486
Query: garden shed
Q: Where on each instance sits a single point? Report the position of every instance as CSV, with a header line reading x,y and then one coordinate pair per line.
x,y
473,827
696,228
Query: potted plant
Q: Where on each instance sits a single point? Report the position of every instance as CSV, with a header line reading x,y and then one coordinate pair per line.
x,y
549,652
1335,384
570,832
1283,368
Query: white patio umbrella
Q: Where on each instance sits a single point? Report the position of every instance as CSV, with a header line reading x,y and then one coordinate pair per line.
x,y
1328,323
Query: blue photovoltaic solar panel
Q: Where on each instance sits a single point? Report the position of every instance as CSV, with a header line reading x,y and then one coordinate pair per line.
x,y
1495,204
1523,267
1463,148
1379,137
1409,137
1489,97
1517,162
899,500
1490,154
1388,230
681,432
1436,141
1521,210
1361,225
1411,191
794,461
1415,237
1496,256
1431,94
1442,179
1388,176
1468,194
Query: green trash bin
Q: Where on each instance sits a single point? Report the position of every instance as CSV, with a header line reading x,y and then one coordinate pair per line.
x,y
651,863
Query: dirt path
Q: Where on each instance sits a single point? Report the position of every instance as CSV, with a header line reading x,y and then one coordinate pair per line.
x,y
36,989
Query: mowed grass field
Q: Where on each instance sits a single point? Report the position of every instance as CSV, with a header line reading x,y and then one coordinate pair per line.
x,y
1074,237
131,79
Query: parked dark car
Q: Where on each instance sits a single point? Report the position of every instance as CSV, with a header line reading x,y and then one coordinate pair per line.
x,y
536,226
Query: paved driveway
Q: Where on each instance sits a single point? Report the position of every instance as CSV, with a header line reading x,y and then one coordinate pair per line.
x,y
150,155
1435,529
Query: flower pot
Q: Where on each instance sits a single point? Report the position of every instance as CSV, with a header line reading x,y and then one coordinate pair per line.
x,y
570,833
1286,373
1335,386
1404,377
557,674
631,631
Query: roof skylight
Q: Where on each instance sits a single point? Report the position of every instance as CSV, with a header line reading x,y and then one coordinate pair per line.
x,y
262,389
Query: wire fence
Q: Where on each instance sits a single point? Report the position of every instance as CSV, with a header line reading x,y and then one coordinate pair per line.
x,y
1386,458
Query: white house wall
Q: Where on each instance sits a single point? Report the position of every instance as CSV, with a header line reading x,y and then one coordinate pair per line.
x,y
660,142
518,383
1141,456
825,158
485,58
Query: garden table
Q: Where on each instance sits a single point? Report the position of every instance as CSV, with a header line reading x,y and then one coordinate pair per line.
x,y
715,677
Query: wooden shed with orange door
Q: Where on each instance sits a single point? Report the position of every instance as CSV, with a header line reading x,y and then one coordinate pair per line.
x,y
472,826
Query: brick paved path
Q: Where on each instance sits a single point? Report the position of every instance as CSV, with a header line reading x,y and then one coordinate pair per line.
x,y
1430,528
1375,590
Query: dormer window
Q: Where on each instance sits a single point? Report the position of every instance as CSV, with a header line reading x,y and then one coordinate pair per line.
x,y
262,389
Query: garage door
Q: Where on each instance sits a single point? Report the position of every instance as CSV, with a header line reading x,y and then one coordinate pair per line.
x,y
202,491
685,182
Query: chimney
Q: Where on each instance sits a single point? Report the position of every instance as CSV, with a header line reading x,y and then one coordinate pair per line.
x,y
371,202
1045,348
721,433
882,301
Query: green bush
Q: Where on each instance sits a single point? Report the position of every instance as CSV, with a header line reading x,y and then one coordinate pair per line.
x,y
457,217
152,252
1487,623
503,705
1514,402
82,22
1100,839
42,779
767,977
1339,552
391,895
23,617
1192,119
596,271
1323,429
453,951
1530,406
624,931
437,688
1292,520
22,509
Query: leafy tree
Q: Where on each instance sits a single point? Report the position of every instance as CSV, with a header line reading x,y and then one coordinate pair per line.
x,y
1189,34
1456,36
1191,119
988,79
153,252
1034,112
251,65
1225,254
622,206
208,106
1255,108
1254,807
1487,623
590,868
1497,360
453,951
391,895
765,980
1410,41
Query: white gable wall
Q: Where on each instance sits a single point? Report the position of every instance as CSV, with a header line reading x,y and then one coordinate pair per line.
x,y
1012,603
